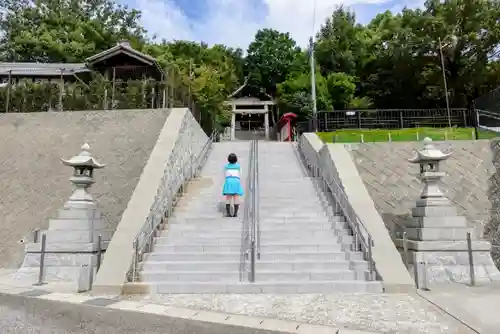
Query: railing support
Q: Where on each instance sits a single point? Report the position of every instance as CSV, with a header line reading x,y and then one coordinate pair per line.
x,y
41,272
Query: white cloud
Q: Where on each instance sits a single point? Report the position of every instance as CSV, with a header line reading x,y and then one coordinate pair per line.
x,y
234,22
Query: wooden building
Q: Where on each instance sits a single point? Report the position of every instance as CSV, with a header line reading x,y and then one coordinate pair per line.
x,y
120,62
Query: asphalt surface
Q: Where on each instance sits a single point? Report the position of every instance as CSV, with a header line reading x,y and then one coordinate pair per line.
x,y
31,315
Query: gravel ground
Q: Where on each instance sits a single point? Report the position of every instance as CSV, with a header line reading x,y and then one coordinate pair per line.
x,y
387,313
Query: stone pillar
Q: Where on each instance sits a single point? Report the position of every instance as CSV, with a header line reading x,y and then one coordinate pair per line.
x,y
233,125
266,122
72,237
436,236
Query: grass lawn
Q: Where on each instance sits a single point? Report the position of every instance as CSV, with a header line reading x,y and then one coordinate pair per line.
x,y
413,134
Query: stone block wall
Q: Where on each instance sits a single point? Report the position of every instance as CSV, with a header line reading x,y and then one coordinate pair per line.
x,y
34,184
472,181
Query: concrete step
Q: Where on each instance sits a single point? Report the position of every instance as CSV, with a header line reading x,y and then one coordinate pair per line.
x,y
201,240
192,219
266,219
279,287
188,277
299,265
326,238
261,276
264,226
268,256
314,247
198,256
306,232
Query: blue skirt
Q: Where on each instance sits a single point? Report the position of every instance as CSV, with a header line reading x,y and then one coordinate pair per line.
x,y
232,187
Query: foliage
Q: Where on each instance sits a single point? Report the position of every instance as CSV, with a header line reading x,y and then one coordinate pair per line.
x,y
271,58
294,94
96,95
64,30
392,62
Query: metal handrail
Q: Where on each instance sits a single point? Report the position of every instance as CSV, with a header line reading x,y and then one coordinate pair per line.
x,y
250,241
362,237
257,199
163,206
245,232
251,274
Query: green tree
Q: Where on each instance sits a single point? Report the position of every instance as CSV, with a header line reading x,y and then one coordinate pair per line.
x,y
294,95
341,88
271,57
64,30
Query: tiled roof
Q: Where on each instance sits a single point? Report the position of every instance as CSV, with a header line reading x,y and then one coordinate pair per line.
x,y
122,47
42,69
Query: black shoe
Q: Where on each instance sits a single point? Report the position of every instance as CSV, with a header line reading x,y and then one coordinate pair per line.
x,y
236,207
228,210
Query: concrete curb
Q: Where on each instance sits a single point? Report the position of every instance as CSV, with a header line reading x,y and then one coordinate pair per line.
x,y
140,317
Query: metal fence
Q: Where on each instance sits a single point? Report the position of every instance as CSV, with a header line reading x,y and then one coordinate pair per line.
x,y
327,121
488,107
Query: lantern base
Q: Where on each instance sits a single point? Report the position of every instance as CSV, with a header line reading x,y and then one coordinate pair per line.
x,y
446,267
71,242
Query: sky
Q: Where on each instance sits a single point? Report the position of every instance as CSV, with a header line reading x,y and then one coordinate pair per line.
x,y
235,22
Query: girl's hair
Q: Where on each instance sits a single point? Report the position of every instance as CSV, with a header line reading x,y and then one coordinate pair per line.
x,y
232,158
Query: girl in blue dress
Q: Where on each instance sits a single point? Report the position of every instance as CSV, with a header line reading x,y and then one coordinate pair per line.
x,y
232,185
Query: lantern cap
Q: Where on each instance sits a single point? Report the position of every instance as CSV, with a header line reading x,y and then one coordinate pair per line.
x,y
429,153
83,159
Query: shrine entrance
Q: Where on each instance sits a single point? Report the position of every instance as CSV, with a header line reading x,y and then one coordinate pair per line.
x,y
250,115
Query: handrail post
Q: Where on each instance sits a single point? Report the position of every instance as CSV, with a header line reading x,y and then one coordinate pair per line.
x,y
370,259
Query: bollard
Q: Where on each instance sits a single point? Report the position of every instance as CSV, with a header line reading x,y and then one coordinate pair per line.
x,y
420,272
418,137
85,278
473,135
362,138
445,135
471,260
99,253
42,261
425,279
390,137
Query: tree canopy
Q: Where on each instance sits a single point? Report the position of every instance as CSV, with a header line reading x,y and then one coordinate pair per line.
x,y
394,61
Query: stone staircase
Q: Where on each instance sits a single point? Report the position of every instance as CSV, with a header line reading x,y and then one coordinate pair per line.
x,y
199,252
302,250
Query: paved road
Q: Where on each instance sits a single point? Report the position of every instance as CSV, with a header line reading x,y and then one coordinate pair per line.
x,y
26,315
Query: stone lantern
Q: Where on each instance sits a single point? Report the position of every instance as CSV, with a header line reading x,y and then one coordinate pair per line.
x,y
434,243
77,236
83,175
429,159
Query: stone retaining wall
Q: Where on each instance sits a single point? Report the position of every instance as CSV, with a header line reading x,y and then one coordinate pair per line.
x,y
34,183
